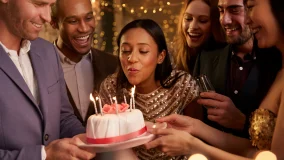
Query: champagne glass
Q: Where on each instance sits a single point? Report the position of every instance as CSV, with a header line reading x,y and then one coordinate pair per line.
x,y
204,84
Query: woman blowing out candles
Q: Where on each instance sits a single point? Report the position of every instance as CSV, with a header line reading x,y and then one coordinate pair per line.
x,y
160,90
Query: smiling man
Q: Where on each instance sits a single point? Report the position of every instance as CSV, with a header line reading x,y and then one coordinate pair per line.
x,y
84,67
240,72
34,109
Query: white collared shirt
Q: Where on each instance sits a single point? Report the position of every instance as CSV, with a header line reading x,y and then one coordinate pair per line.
x,y
24,66
79,78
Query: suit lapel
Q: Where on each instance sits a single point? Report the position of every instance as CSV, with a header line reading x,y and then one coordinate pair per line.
x,y
76,111
7,65
90,111
97,73
39,73
220,65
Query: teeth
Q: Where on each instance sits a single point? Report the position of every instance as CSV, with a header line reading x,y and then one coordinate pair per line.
x,y
231,29
83,38
255,30
194,34
37,25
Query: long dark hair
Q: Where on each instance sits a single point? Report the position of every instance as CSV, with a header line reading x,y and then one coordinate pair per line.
x,y
163,70
278,12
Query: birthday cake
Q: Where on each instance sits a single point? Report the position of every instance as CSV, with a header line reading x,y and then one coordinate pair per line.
x,y
117,123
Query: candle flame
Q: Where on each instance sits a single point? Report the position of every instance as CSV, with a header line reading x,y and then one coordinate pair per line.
x,y
133,91
91,97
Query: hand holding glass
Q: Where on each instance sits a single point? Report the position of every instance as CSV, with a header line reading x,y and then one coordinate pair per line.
x,y
204,84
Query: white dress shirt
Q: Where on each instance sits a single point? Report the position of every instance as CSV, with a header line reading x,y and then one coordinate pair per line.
x,y
24,66
23,63
79,78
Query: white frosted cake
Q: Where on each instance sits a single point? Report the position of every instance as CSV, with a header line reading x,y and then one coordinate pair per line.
x,y
113,127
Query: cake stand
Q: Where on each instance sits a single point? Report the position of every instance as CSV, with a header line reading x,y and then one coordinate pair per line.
x,y
122,150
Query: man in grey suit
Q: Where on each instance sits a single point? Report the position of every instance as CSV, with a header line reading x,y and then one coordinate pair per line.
x,y
34,108
84,67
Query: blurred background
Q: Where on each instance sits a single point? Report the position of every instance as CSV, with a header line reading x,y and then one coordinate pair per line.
x,y
112,15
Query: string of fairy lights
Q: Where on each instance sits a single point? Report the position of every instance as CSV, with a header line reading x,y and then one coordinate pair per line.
x,y
165,12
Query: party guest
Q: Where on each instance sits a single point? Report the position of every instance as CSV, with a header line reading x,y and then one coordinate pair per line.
x,y
198,29
84,67
266,130
240,72
34,109
160,90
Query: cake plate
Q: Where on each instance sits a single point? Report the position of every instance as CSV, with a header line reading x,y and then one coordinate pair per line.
x,y
122,150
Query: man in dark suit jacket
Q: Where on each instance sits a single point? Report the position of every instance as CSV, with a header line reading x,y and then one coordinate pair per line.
x,y
240,73
34,108
84,67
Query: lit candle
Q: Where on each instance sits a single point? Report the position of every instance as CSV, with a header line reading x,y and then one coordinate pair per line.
x,y
125,101
100,104
95,105
110,99
115,101
130,106
132,96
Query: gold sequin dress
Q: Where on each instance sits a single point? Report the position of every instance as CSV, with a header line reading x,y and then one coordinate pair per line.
x,y
159,103
262,127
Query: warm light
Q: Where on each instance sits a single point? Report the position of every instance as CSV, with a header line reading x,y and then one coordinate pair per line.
x,y
92,98
123,5
145,11
197,157
133,91
160,9
266,155
154,11
168,3
132,10
115,102
141,7
95,105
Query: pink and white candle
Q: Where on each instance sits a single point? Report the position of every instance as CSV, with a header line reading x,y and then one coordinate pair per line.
x,y
125,101
116,108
